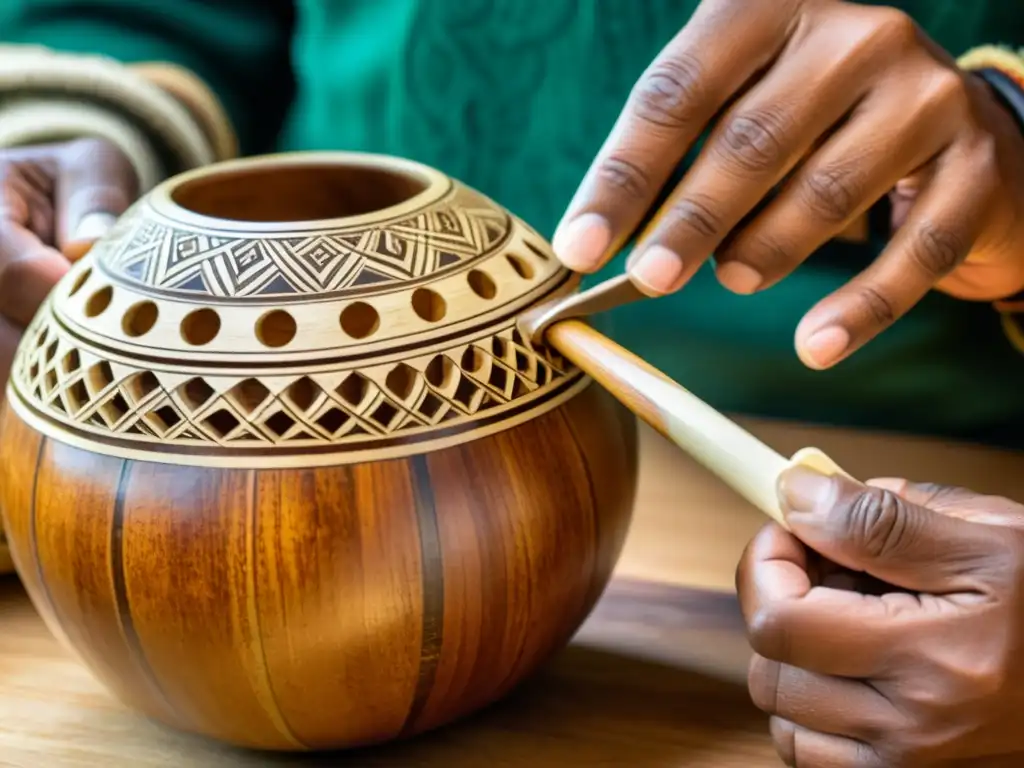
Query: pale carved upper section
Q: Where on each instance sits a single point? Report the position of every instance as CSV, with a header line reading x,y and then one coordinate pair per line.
x,y
183,337
176,258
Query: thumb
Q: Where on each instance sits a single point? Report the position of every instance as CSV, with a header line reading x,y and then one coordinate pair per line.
x,y
878,532
95,185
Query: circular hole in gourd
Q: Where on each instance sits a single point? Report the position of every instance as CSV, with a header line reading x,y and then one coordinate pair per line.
x,y
481,284
276,328
428,305
522,267
81,280
359,320
99,301
200,327
140,318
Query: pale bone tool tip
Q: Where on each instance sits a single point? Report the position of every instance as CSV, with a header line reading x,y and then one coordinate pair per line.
x,y
743,462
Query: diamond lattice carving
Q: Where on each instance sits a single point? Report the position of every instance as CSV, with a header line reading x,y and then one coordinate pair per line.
x,y
72,384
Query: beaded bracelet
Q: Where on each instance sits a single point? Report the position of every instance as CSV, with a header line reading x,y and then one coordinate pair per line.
x,y
1003,70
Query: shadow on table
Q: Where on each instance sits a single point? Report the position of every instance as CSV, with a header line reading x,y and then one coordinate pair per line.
x,y
669,717
654,678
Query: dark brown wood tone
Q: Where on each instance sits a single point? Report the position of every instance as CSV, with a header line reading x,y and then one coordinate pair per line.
x,y
293,609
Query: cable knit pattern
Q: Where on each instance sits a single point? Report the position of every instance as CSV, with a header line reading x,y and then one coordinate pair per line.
x,y
46,95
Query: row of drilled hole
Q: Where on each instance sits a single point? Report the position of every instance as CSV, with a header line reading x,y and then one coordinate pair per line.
x,y
277,327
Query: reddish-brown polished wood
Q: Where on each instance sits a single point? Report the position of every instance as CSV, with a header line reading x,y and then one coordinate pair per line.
x,y
327,607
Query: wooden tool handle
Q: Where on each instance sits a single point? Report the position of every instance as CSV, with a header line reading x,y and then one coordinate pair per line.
x,y
745,463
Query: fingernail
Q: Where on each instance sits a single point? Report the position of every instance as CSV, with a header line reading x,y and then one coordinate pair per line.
x,y
826,346
739,277
804,490
581,244
93,226
658,270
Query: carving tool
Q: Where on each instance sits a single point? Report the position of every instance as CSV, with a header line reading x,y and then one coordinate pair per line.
x,y
747,465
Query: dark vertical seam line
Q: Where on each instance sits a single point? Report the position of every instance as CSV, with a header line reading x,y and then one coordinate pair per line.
x,y
35,541
432,577
124,613
594,576
278,715
513,672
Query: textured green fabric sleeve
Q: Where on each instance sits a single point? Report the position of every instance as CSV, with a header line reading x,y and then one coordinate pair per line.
x,y
240,48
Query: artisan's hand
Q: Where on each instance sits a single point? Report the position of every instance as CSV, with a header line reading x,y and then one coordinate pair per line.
x,y
888,627
831,105
56,200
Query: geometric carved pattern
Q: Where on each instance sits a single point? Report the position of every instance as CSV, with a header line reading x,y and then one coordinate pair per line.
x,y
319,262
267,344
68,383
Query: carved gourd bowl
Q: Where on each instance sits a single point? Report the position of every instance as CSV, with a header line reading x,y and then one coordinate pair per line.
x,y
278,466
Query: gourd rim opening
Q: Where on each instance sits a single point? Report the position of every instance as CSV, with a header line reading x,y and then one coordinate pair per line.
x,y
299,191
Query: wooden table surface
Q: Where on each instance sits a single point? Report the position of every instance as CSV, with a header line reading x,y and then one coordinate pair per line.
x,y
655,679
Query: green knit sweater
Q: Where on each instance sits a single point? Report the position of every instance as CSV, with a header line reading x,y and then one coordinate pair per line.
x,y
514,97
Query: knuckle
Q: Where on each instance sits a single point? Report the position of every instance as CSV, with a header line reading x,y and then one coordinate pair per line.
x,y
937,249
768,633
754,142
769,255
624,176
670,94
877,523
897,27
831,195
698,215
947,88
880,308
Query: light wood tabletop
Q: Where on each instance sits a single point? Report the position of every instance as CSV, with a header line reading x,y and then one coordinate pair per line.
x,y
655,679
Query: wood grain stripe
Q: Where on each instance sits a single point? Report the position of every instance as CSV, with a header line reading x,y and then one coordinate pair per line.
x,y
124,612
597,572
32,532
263,685
48,607
432,575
